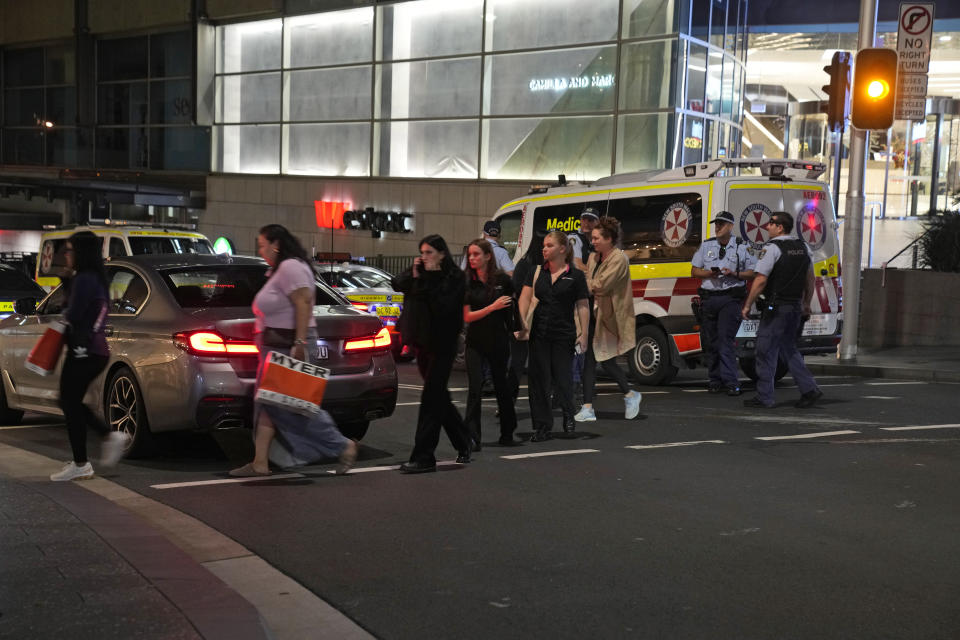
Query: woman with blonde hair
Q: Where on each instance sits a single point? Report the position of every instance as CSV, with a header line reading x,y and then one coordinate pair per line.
x,y
560,291
612,323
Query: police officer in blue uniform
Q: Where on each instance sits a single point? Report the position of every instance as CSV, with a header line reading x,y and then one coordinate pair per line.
x,y
784,275
724,264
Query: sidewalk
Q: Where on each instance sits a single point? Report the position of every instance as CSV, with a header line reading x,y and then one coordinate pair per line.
x,y
77,565
930,364
93,559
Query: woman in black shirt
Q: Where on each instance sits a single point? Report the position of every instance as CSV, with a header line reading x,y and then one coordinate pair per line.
x,y
431,321
487,309
561,291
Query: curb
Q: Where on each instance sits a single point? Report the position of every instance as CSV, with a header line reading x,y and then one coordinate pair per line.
x,y
879,371
285,609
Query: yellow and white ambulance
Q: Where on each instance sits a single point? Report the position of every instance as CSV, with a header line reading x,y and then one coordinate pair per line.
x,y
665,216
118,241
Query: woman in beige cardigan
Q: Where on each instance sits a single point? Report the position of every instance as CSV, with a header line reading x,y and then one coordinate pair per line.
x,y
612,324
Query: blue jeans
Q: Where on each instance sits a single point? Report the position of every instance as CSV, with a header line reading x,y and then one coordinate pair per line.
x,y
305,438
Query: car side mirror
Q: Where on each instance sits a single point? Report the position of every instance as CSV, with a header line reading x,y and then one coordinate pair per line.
x,y
25,306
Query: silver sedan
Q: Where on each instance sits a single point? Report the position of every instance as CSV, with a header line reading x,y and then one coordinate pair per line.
x,y
182,355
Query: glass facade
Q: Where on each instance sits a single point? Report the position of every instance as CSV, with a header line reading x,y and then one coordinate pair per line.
x,y
495,89
39,86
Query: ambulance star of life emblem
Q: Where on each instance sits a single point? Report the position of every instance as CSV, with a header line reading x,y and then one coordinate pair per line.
x,y
812,228
751,225
675,227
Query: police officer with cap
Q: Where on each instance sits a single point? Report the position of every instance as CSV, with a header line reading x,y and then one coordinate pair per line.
x,y
582,241
724,265
491,232
785,278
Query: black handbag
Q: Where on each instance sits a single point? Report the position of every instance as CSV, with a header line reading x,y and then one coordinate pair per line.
x,y
279,338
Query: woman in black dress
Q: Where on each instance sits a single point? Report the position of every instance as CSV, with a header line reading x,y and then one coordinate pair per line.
x,y
487,309
432,317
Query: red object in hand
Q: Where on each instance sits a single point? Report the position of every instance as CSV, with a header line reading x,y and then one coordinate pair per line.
x,y
45,354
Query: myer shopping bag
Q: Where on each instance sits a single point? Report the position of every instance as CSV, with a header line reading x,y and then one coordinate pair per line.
x,y
292,384
45,354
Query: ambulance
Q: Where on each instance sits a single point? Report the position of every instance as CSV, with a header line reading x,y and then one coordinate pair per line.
x,y
118,240
664,217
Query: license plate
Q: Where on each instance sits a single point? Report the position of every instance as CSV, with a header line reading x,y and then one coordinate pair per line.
x,y
749,326
388,311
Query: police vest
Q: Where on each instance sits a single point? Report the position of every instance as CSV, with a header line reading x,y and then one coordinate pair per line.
x,y
789,276
586,248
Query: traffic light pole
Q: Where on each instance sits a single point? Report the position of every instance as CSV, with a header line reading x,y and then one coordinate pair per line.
x,y
853,221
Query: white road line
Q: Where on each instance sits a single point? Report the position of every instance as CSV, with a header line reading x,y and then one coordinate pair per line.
x,y
838,384
802,436
408,404
550,453
922,427
878,384
880,397
32,426
674,444
392,467
202,483
695,390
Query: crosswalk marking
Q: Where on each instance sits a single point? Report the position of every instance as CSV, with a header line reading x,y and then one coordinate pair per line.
x,y
802,436
202,483
544,454
663,445
921,427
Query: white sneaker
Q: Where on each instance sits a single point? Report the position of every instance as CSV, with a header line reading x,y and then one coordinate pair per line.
x,y
632,404
71,471
586,414
113,448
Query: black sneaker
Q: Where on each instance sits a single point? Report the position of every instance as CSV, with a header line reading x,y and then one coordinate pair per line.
x,y
507,441
806,400
464,457
714,388
733,391
756,403
540,435
417,467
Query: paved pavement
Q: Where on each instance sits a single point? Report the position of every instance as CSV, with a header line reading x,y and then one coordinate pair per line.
x,y
934,364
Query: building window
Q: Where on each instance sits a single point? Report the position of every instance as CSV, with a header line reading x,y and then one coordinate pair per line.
x,y
145,105
497,89
39,87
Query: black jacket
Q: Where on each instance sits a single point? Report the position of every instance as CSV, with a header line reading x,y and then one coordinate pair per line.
x,y
432,314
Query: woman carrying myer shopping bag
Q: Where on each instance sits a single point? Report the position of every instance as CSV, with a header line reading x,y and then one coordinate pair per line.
x,y
285,323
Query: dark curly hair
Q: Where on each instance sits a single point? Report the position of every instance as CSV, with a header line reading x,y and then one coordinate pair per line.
x,y
609,228
287,244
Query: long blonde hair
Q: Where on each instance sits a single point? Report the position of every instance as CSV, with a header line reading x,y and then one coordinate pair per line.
x,y
561,239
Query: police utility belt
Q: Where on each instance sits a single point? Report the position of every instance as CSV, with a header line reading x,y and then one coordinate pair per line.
x,y
738,293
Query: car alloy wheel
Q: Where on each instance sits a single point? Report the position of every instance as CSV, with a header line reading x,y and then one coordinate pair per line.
x,y
125,411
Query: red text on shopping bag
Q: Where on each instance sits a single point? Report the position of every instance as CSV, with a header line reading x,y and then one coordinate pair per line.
x,y
292,384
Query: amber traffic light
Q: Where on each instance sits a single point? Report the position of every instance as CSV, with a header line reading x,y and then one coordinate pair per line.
x,y
873,95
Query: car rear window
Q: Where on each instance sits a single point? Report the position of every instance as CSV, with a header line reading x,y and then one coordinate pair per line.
x,y
226,286
12,280
366,280
153,245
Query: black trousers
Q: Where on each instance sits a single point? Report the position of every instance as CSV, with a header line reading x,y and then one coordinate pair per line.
x,y
518,362
503,384
76,377
436,408
551,367
589,376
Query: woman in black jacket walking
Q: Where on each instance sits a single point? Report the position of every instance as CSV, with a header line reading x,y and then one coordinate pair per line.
x,y
488,310
432,317
87,355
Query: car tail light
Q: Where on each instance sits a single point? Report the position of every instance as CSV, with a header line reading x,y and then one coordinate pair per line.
x,y
211,343
380,341
361,306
